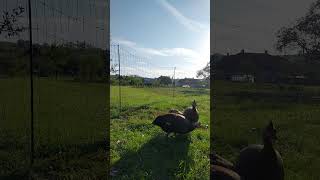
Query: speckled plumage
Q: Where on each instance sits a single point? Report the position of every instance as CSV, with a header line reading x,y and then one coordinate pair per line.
x,y
175,123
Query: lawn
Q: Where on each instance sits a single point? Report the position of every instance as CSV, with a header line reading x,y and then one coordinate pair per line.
x,y
70,129
140,150
239,107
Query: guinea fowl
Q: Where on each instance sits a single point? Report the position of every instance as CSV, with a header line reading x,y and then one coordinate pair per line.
x,y
261,162
175,123
218,160
192,113
222,169
175,111
222,173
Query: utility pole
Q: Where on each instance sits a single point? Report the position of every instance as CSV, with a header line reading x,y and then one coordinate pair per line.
x,y
31,87
119,79
173,81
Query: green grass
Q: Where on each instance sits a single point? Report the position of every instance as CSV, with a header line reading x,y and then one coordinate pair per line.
x,y
140,150
297,121
70,129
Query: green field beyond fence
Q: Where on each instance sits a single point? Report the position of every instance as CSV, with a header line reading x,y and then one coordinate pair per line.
x,y
140,150
70,129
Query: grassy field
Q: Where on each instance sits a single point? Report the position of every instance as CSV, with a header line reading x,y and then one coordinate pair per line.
x,y
239,107
140,150
70,129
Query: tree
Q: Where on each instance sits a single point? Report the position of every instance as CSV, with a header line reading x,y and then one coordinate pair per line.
x,y
205,72
9,25
164,80
303,35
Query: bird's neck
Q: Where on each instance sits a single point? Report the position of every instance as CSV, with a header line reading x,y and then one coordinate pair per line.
x,y
268,145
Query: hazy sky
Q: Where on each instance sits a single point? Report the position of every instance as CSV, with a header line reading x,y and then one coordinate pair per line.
x,y
251,24
169,33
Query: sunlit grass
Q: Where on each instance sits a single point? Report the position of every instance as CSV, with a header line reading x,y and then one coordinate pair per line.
x,y
140,150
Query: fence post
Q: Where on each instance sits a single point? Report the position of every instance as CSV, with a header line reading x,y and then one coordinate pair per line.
x,y
31,88
174,82
119,80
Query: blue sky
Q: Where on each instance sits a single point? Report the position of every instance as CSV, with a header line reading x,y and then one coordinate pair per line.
x,y
164,33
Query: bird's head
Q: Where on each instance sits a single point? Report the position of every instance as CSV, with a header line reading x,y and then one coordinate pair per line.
x,y
194,104
197,124
270,133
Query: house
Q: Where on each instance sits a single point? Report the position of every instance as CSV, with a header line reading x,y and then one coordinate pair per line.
x,y
191,82
242,78
297,79
253,67
148,81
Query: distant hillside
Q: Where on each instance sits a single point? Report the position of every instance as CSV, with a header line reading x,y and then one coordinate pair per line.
x,y
77,60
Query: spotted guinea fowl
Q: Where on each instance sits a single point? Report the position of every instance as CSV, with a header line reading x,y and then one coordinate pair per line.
x,y
218,160
222,173
222,169
191,113
261,162
175,123
175,111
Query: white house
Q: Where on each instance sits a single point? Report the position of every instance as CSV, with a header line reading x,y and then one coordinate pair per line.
x,y
242,78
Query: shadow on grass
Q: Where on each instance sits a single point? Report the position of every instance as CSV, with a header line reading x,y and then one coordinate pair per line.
x,y
77,161
159,158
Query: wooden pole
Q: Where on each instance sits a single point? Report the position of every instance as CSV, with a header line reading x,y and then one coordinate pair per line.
x,y
119,80
173,82
31,88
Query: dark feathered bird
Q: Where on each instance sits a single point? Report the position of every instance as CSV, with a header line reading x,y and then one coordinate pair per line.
x,y
261,162
175,111
192,113
175,123
222,173
222,169
220,161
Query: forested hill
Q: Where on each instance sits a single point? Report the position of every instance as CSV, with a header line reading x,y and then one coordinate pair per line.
x,y
77,60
